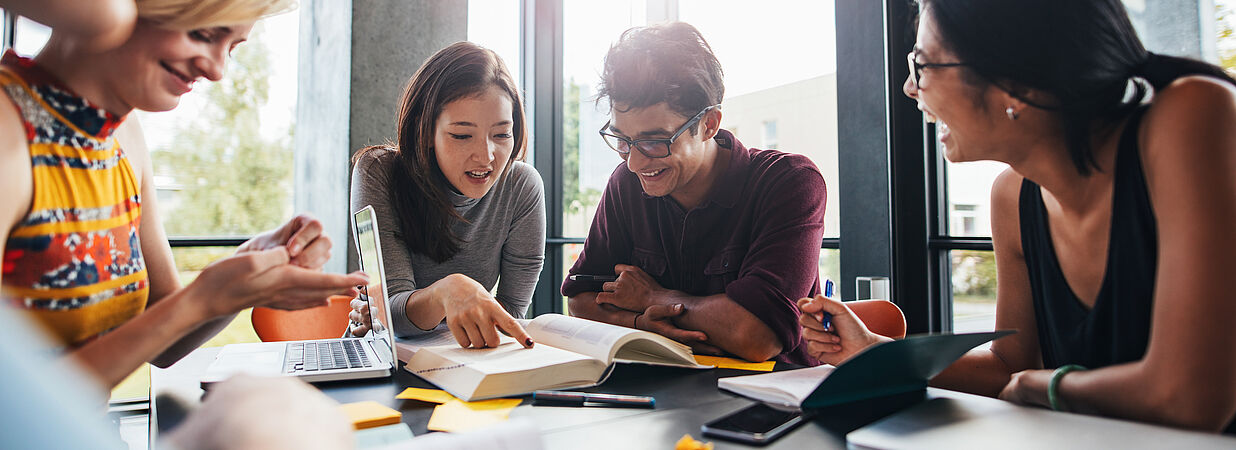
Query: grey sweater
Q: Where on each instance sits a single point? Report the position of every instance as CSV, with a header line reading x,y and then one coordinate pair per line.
x,y
503,240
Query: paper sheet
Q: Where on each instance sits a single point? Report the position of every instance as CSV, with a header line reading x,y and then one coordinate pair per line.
x,y
516,434
731,363
456,415
426,395
382,436
370,414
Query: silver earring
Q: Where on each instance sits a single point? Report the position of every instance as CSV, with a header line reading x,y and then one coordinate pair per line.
x,y
1012,113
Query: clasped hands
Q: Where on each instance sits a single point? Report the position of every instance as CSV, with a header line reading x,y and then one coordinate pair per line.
x,y
656,308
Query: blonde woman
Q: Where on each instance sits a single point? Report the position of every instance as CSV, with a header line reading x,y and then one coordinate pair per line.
x,y
84,250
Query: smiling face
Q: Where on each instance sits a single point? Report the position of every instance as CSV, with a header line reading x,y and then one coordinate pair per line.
x,y
970,118
685,167
156,65
473,140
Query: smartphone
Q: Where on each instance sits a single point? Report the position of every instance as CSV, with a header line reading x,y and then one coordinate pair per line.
x,y
758,424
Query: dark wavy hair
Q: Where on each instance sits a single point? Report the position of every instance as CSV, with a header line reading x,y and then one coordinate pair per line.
x,y
458,71
669,63
1081,53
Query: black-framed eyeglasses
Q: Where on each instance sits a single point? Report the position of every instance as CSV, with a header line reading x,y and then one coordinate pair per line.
x,y
652,148
916,68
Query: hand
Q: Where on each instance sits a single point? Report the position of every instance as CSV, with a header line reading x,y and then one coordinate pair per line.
x,y
847,336
473,315
303,238
659,319
236,414
361,318
634,290
265,278
1028,387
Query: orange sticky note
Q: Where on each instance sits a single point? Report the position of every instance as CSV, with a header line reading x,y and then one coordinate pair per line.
x,y
731,363
456,415
370,414
426,395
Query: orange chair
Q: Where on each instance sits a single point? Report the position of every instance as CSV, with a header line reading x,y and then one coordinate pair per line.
x,y
882,317
323,322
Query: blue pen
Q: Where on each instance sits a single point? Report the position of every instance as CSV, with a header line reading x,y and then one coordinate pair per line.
x,y
825,318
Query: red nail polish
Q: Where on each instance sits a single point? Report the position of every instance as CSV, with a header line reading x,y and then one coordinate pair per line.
x,y
528,342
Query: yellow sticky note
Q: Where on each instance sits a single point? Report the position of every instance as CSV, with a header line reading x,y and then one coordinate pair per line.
x,y
731,363
370,414
425,395
456,415
689,443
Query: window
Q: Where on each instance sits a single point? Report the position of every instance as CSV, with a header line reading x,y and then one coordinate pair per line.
x,y
769,138
494,24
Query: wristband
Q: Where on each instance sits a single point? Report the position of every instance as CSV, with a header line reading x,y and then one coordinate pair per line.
x,y
1053,386
635,321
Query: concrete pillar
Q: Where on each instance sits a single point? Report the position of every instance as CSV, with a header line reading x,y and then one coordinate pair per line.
x,y
355,57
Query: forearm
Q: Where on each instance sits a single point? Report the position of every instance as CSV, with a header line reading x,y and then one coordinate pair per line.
x,y
585,306
192,340
1169,397
118,353
728,325
979,372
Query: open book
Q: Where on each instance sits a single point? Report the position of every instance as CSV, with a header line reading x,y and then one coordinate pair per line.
x,y
888,368
569,353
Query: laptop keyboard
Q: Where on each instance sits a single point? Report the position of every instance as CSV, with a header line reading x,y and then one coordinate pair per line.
x,y
328,355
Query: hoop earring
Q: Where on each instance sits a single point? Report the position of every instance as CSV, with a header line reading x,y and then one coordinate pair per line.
x,y
1012,113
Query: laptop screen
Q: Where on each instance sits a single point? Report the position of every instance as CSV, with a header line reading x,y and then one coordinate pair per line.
x,y
366,230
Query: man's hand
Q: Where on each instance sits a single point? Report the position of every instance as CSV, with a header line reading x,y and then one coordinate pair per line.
x,y
302,236
659,319
634,290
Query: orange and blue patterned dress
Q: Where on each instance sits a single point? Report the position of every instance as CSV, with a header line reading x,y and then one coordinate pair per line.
x,y
74,261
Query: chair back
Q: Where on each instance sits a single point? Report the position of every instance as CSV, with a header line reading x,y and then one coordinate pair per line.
x,y
323,322
882,317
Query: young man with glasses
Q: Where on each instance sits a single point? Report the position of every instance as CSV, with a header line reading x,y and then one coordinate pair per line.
x,y
702,239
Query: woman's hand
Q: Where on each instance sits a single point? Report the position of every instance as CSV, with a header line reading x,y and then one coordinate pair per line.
x,y
846,336
307,246
361,318
473,315
1028,387
266,278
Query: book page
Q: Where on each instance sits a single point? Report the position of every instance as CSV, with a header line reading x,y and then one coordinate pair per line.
x,y
587,337
789,387
508,356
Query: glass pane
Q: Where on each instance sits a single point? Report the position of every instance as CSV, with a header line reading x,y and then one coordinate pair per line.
x,y
494,24
29,36
570,253
969,197
587,160
830,267
223,157
974,290
769,103
1225,34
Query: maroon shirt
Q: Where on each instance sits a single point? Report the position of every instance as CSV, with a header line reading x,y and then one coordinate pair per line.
x,y
756,238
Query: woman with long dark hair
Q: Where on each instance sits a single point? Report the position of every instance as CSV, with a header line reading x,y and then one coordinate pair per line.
x,y
460,212
1113,225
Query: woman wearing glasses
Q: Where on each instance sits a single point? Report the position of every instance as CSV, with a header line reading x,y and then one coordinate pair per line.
x,y
1113,226
459,211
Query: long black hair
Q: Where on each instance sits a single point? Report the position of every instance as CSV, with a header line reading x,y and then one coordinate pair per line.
x,y
425,213
1081,53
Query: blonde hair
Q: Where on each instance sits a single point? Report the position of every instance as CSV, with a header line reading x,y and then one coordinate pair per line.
x,y
195,14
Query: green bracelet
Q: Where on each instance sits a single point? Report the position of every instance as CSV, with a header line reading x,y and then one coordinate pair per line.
x,y
1053,386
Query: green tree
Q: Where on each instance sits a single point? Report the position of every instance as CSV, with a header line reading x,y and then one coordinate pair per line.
x,y
235,182
574,200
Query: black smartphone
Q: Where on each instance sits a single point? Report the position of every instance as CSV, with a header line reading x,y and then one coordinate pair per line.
x,y
758,424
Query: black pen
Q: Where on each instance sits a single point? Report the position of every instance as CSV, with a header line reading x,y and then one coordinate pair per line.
x,y
596,278
566,398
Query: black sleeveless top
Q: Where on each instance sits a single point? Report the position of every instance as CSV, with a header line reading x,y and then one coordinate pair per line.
x,y
1117,329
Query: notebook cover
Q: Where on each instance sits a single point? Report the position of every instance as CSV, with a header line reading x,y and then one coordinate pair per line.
x,y
894,367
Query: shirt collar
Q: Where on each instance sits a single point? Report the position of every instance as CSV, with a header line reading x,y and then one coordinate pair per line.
x,y
74,108
731,183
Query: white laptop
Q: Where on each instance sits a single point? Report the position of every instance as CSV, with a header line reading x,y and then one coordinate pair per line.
x,y
369,356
